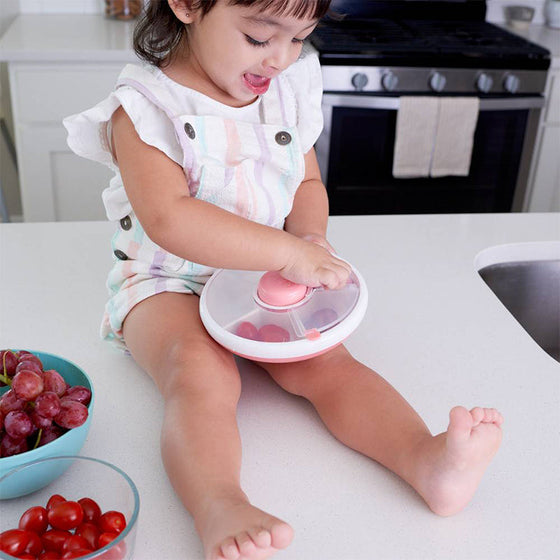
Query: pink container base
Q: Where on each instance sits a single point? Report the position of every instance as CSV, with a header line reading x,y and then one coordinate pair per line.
x,y
285,360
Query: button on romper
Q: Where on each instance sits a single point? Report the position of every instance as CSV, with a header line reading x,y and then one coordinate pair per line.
x,y
249,167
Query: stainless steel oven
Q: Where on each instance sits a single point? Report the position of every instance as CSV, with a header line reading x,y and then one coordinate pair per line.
x,y
370,62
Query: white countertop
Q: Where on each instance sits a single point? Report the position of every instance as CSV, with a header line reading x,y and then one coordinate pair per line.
x,y
67,38
433,329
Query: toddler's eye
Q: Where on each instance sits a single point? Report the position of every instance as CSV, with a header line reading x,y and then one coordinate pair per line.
x,y
255,43
298,41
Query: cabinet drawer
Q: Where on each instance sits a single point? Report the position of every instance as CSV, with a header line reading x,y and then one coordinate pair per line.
x,y
50,92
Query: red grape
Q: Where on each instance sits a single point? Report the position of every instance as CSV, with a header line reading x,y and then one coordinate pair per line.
x,y
25,355
79,393
12,446
10,401
246,329
53,381
30,366
40,421
273,333
18,424
47,404
8,362
27,385
50,434
72,414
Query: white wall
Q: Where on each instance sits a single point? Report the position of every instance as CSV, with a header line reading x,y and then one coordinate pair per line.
x,y
61,6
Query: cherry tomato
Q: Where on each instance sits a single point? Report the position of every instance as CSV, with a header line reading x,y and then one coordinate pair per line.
x,y
55,499
49,555
54,539
90,532
34,545
34,519
65,515
112,522
92,511
78,553
116,552
15,541
75,542
27,556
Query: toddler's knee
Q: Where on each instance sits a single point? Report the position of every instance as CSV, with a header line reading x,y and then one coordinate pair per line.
x,y
198,367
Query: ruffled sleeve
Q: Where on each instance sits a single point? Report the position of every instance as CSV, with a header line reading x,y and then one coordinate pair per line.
x,y
89,132
305,80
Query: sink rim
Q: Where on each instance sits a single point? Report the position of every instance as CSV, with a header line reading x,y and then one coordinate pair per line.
x,y
516,252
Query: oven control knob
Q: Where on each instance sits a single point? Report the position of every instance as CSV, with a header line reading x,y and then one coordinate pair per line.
x,y
511,83
437,81
389,81
359,80
484,83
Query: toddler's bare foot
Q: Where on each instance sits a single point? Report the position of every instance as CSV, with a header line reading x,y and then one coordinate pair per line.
x,y
236,530
452,463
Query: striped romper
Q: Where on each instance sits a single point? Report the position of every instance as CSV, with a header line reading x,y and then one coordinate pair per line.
x,y
247,160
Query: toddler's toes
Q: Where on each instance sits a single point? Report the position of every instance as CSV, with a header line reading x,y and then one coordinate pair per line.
x,y
245,544
477,414
261,537
229,549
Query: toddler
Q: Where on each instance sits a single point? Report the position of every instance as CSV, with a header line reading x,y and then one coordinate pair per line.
x,y
211,141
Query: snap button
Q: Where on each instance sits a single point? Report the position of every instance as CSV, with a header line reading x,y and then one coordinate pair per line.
x,y
120,255
283,138
126,223
189,130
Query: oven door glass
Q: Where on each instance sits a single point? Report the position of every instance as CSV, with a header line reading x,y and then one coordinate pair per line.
x,y
355,153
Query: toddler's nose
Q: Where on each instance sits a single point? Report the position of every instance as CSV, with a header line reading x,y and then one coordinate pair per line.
x,y
278,60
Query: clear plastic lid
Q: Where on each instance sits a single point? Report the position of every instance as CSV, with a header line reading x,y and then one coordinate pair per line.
x,y
266,307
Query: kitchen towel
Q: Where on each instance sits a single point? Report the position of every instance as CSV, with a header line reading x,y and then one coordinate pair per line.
x,y
454,136
417,121
434,136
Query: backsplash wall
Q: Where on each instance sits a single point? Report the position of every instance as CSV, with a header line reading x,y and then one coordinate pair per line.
x,y
495,7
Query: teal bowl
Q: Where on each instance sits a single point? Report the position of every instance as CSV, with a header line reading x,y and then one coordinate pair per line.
x,y
69,443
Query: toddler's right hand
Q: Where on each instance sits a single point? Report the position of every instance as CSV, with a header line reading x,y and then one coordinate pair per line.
x,y
313,265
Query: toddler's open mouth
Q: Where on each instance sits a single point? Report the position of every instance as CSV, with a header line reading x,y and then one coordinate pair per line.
x,y
257,84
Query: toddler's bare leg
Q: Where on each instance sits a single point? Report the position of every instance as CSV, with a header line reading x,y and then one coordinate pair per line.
x,y
366,413
200,441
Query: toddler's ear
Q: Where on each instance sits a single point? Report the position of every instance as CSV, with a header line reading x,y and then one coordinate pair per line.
x,y
182,10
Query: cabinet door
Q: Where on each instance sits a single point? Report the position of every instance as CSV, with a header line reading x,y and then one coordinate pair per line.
x,y
56,184
545,195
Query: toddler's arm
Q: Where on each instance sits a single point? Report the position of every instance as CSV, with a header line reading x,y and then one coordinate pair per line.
x,y
204,233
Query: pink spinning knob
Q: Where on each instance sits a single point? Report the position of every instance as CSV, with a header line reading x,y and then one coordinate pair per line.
x,y
277,291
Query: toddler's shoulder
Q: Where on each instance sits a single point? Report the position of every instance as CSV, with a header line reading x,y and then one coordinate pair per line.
x,y
304,75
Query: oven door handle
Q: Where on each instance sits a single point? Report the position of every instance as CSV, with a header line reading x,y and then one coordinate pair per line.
x,y
393,103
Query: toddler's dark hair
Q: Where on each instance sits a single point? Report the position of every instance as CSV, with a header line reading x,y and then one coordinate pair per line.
x,y
158,32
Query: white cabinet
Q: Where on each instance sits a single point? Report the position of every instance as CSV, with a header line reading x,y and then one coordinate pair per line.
x,y
56,184
544,181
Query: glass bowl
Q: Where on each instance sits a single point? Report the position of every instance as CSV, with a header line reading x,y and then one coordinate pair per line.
x,y
84,477
69,443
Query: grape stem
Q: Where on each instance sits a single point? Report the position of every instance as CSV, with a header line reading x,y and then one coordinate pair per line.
x,y
38,438
4,376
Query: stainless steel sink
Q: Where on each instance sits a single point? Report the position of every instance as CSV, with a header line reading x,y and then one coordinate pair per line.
x,y
530,290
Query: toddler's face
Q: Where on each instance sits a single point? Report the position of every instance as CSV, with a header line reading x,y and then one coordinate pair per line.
x,y
237,50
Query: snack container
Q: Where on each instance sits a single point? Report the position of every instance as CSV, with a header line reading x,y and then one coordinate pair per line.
x,y
264,317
